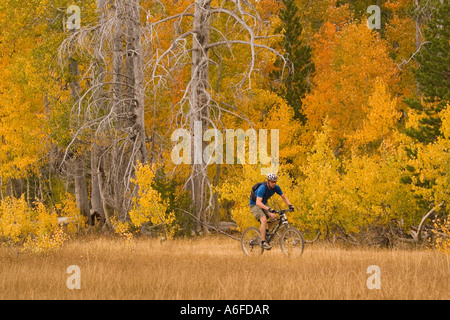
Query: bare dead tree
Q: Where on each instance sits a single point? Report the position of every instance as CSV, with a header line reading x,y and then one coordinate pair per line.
x,y
111,107
190,48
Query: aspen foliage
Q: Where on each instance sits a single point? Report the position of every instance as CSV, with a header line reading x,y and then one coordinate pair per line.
x,y
47,235
36,228
16,220
237,190
350,195
374,194
124,230
76,222
441,231
149,206
381,120
348,63
321,196
149,209
433,163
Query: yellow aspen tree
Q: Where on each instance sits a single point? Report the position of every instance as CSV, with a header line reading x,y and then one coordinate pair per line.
x,y
321,188
433,165
431,182
381,121
375,197
348,62
148,205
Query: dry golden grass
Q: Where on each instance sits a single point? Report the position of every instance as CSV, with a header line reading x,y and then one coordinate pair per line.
x,y
216,268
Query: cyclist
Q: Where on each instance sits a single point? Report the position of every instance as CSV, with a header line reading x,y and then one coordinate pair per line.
x,y
260,209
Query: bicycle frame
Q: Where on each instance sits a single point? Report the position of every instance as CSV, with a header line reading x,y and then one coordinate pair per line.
x,y
282,222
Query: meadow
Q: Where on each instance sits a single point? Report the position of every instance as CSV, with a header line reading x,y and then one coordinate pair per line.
x,y
216,268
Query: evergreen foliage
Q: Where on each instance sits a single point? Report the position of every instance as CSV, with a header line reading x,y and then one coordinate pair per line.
x,y
301,68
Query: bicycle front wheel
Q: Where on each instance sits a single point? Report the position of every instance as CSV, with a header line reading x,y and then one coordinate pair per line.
x,y
251,242
292,242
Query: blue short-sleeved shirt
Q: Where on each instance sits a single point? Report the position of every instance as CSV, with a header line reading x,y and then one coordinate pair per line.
x,y
265,193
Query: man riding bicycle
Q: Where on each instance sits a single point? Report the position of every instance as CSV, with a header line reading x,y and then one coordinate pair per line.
x,y
259,206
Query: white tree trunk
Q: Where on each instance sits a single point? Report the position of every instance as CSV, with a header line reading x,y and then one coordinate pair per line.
x,y
199,108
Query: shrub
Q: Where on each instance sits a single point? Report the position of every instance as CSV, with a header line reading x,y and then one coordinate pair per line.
x,y
36,228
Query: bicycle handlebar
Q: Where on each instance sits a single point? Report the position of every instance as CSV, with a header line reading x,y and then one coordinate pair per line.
x,y
280,212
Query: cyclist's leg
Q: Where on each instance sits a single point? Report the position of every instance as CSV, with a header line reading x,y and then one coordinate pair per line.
x,y
260,215
262,231
263,227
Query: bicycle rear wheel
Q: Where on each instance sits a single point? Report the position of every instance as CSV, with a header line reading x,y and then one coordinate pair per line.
x,y
251,242
292,242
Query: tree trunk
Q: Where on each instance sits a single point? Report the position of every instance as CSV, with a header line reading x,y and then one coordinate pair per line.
x,y
98,79
96,199
216,218
78,170
135,79
81,193
108,209
198,112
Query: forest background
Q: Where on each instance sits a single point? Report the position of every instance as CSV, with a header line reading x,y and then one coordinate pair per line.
x,y
87,114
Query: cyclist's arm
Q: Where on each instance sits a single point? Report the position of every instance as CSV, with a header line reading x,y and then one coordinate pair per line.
x,y
260,204
285,199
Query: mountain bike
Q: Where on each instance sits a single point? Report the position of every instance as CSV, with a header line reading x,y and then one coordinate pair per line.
x,y
288,238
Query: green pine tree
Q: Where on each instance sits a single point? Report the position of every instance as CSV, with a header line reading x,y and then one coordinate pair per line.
x,y
433,79
433,75
296,84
